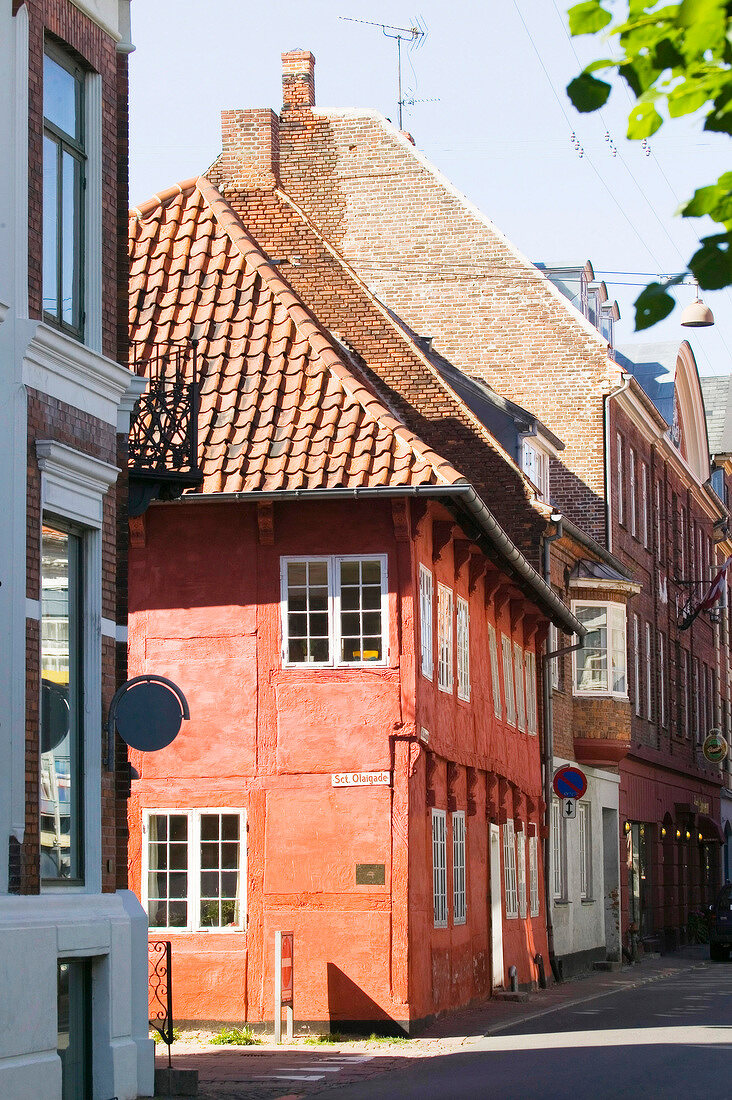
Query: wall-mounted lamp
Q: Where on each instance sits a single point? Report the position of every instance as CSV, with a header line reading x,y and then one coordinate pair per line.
x,y
678,834
701,837
688,835
626,826
663,830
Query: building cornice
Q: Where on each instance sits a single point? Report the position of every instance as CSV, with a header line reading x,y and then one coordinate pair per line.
x,y
68,370
630,588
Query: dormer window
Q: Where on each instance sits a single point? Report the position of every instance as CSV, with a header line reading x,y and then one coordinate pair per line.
x,y
535,464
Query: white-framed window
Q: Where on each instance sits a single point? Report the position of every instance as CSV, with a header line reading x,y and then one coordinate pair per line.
x,y
508,680
636,664
558,849
334,611
518,669
710,699
444,638
459,902
194,869
535,464
633,495
495,677
530,669
534,876
697,701
649,673
439,868
585,850
553,645
521,871
425,620
645,529
684,670
600,666
682,541
509,870
659,522
462,622
662,676
73,486
619,473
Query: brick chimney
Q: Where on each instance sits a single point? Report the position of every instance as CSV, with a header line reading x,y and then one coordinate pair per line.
x,y
298,80
250,157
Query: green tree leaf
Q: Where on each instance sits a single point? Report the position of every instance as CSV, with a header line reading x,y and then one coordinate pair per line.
x,y
685,99
643,121
652,305
712,264
588,93
588,18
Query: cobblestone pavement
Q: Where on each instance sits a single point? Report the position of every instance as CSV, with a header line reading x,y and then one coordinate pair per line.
x,y
288,1072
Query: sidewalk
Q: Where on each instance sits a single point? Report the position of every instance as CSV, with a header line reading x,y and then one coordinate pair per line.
x,y
269,1072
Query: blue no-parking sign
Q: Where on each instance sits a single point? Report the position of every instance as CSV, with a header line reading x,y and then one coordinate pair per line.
x,y
570,782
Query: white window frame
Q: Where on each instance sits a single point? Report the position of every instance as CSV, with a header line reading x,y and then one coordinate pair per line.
x,y
616,622
510,888
521,872
633,495
73,485
495,674
439,868
193,869
518,683
649,672
644,504
553,646
662,677
697,701
636,664
459,862
559,853
425,621
508,692
659,521
445,676
535,464
685,725
619,473
531,685
462,623
333,562
585,850
534,876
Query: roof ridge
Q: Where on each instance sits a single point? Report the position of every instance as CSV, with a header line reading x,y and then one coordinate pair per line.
x,y
233,226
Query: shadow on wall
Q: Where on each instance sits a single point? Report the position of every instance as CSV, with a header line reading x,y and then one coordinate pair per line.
x,y
351,1010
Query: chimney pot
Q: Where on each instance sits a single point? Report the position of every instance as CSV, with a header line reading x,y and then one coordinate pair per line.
x,y
298,79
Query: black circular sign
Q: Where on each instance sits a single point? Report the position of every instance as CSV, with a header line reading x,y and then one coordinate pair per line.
x,y
148,716
54,714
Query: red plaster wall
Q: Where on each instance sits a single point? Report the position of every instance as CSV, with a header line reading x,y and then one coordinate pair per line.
x,y
204,609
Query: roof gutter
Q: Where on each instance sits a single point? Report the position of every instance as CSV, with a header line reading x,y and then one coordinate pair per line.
x,y
464,496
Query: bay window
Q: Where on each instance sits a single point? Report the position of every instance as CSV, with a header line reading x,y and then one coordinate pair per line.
x,y
600,665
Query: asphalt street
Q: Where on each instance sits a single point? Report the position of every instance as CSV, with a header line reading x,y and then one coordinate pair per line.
x,y
664,1040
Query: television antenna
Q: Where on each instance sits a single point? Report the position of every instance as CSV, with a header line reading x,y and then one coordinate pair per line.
x,y
414,35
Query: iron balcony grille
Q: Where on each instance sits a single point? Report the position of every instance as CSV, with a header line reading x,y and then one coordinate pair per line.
x,y
164,430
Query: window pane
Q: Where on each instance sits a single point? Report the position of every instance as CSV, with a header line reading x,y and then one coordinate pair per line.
x,y
229,855
178,827
229,826
61,97
61,730
71,239
360,633
371,572
318,573
319,651
209,855
177,884
209,826
307,612
296,574
50,226
229,884
228,913
178,914
209,884
350,572
592,658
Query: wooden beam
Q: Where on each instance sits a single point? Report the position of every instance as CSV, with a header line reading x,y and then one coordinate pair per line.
x,y
460,553
517,610
265,522
476,569
441,534
400,518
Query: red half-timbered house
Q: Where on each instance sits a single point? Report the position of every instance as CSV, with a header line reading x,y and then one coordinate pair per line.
x,y
357,639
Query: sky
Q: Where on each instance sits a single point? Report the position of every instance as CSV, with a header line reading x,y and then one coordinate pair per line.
x,y
488,108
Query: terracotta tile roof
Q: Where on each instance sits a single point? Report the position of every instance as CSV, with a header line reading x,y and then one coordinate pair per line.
x,y
282,406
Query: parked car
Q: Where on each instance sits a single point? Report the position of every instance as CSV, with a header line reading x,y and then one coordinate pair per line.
x,y
720,924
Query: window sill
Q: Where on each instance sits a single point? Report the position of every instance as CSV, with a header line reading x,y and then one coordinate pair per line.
x,y
562,901
601,695
587,901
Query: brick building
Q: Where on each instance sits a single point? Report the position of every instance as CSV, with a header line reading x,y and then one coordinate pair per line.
x,y
449,274
72,937
328,444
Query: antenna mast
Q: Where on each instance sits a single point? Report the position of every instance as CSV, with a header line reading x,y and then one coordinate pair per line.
x,y
414,35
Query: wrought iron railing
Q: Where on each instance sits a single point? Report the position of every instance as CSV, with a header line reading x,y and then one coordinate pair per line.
x,y
160,990
164,431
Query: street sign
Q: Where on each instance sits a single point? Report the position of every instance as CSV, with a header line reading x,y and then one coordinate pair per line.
x,y
287,946
283,982
569,807
570,782
360,779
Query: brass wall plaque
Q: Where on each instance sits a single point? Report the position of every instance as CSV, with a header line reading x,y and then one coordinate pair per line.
x,y
370,874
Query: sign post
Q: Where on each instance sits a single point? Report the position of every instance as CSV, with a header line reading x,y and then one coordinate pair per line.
x,y
284,957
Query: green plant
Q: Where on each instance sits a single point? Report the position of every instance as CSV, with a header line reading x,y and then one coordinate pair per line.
x,y
374,1038
676,60
697,928
235,1037
157,1037
331,1037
